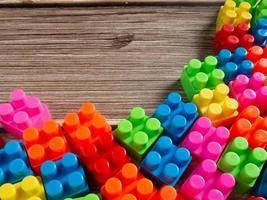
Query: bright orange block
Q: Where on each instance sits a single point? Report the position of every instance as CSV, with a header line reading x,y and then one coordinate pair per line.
x,y
217,105
45,144
167,193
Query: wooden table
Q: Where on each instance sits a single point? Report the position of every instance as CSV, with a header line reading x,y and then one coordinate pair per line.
x,y
115,55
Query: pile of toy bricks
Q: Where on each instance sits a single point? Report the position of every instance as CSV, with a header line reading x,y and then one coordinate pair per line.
x,y
218,139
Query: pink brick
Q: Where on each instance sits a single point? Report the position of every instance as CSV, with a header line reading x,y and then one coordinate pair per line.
x,y
204,141
249,91
207,182
22,112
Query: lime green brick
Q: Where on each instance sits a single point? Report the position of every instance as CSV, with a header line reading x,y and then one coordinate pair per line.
x,y
260,11
87,197
138,133
243,162
197,75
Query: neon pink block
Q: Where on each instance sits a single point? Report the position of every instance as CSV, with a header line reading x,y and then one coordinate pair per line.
x,y
249,91
204,141
207,182
22,112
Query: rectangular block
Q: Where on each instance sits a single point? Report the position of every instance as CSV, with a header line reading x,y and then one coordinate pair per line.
x,y
204,141
91,138
258,55
30,188
261,185
244,163
207,182
45,144
87,197
197,75
260,11
176,116
251,126
14,164
23,112
259,31
128,184
166,163
167,192
250,91
217,105
138,132
64,178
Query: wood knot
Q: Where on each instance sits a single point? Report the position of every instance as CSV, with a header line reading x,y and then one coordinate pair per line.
x,y
122,40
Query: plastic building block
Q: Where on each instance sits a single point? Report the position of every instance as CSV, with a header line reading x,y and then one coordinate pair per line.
x,y
22,112
256,198
260,11
176,116
128,184
261,185
251,126
231,37
243,163
167,193
14,165
249,91
87,197
166,163
258,56
259,31
91,138
64,178
207,182
45,144
204,141
197,75
217,105
234,64
138,133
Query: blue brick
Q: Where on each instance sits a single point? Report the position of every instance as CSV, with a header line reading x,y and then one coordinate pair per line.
x,y
64,178
166,163
234,64
176,116
260,189
259,31
14,164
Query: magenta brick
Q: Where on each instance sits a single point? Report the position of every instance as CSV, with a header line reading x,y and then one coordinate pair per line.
x,y
22,112
250,91
204,141
207,182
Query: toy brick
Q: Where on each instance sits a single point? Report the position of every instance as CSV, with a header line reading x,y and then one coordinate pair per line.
x,y
261,185
258,56
91,138
166,163
176,116
250,91
64,178
167,193
234,64
128,184
87,197
45,144
259,31
244,163
204,141
14,165
197,75
30,188
22,112
138,133
217,105
251,126
260,11
207,182
256,198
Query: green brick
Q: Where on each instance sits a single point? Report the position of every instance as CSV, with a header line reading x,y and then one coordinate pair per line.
x,y
260,11
87,197
243,162
138,133
197,75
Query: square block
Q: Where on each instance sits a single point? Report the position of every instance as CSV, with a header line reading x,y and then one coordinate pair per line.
x,y
261,185
138,133
23,112
207,182
128,184
176,116
251,126
87,197
197,75
204,141
250,91
45,144
30,188
166,163
167,192
14,164
91,138
244,163
259,31
64,178
234,64
217,105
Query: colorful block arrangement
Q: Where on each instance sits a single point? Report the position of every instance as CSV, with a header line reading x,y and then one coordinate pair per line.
x,y
198,150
